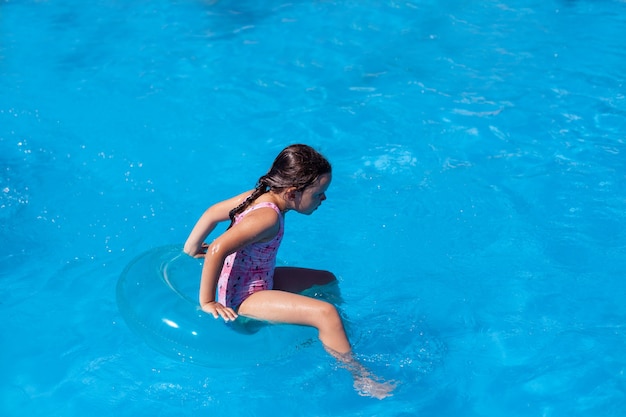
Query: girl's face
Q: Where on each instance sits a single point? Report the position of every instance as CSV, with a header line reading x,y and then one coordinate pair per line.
x,y
309,199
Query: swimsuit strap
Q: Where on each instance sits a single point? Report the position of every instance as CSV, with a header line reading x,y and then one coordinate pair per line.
x,y
261,205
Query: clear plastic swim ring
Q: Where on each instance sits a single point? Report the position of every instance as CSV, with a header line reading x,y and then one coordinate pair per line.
x,y
157,295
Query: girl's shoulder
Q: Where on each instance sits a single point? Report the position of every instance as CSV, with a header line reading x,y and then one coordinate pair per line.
x,y
265,212
263,204
267,200
262,220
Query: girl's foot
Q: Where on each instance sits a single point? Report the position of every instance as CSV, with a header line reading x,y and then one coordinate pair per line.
x,y
369,387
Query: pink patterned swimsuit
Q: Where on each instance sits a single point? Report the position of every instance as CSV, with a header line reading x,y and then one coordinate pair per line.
x,y
252,268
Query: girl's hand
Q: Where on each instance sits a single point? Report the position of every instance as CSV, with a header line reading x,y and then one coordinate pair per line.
x,y
218,310
196,252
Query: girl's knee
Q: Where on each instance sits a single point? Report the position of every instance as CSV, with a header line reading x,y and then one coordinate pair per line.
x,y
329,314
326,277
331,330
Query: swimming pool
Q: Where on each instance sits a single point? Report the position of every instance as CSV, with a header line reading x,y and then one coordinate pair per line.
x,y
476,219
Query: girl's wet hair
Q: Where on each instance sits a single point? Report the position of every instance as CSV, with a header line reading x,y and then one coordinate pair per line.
x,y
295,166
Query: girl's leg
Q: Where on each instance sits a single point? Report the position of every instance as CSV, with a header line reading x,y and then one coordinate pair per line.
x,y
284,305
287,307
296,280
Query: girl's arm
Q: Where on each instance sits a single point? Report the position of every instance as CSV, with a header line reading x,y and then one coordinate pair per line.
x,y
259,225
208,221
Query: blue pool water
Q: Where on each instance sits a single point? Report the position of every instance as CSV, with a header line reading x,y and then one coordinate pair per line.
x,y
476,220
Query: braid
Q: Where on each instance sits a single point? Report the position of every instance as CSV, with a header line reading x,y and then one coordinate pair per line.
x,y
260,189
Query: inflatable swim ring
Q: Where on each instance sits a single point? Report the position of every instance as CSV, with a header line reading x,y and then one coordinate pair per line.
x,y
157,295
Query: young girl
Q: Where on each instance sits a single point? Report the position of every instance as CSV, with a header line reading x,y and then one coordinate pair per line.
x,y
240,263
